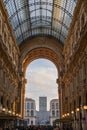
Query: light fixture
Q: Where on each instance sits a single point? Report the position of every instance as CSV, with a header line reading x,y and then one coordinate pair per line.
x,y
84,107
77,109
9,111
3,109
17,114
72,112
13,113
67,114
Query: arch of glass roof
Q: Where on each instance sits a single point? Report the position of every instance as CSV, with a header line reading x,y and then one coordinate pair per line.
x,y
40,17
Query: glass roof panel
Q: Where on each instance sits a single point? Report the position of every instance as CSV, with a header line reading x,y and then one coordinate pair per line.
x,y
38,17
10,8
18,32
14,22
67,20
20,3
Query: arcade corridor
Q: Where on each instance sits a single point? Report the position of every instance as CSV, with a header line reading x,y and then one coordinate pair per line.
x,y
52,29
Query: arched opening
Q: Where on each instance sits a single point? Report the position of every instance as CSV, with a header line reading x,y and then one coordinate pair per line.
x,y
41,75
41,47
41,87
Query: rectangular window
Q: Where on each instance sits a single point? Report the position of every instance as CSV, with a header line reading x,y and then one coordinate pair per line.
x,y
28,105
53,106
32,113
57,113
53,113
27,112
31,122
28,121
56,105
32,105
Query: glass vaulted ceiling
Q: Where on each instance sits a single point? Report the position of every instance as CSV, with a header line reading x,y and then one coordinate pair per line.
x,y
40,17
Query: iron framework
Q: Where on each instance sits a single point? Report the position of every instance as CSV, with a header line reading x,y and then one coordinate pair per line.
x,y
40,17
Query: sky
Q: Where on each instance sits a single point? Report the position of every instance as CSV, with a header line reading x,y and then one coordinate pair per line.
x,y
41,78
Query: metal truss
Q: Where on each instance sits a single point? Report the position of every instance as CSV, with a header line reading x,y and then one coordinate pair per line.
x,y
44,17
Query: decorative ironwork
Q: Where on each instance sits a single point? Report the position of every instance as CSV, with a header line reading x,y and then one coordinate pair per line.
x,y
40,17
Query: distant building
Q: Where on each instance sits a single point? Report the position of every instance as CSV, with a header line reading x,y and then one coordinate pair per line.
x,y
43,117
43,114
30,111
54,110
42,103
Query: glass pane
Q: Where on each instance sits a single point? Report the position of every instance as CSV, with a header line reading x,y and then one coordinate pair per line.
x,y
41,17
64,31
20,3
18,32
67,20
31,8
10,8
14,22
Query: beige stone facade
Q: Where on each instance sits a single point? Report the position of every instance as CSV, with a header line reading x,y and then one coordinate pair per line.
x,y
9,76
70,60
74,88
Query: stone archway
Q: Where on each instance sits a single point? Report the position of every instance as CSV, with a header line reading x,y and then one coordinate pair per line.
x,y
40,47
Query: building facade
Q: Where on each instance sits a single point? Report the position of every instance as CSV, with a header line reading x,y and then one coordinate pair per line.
x,y
42,114
42,103
43,117
9,76
54,110
74,81
30,111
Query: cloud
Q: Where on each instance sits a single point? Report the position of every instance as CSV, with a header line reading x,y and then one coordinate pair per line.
x,y
41,76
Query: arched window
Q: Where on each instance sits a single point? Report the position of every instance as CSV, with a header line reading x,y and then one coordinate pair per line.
x,y
52,105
